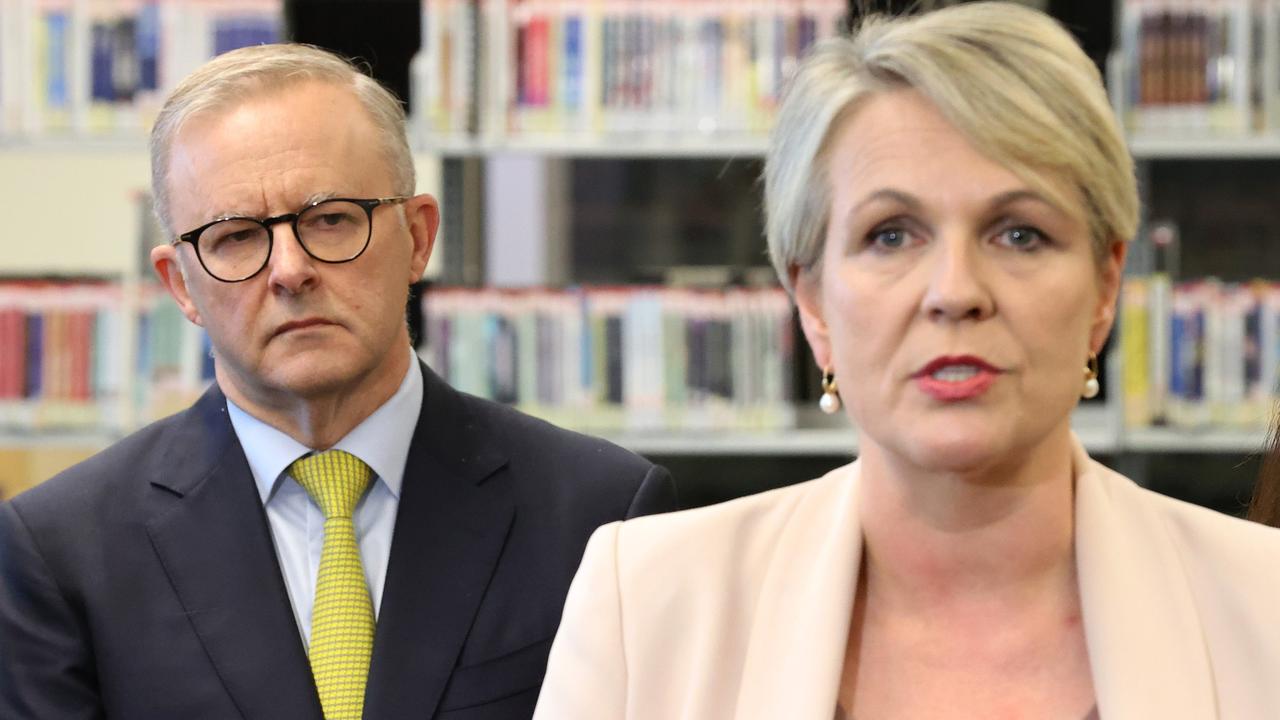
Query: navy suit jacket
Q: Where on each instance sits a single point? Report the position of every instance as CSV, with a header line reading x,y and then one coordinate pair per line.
x,y
142,583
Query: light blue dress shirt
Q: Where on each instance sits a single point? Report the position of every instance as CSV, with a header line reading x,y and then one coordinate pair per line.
x,y
297,524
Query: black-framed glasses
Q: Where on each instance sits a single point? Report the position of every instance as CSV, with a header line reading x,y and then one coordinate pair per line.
x,y
337,230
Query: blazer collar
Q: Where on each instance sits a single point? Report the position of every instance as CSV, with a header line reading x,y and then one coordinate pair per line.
x,y
454,516
1146,647
802,620
208,528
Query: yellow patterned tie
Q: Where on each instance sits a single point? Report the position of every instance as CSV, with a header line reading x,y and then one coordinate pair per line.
x,y
342,617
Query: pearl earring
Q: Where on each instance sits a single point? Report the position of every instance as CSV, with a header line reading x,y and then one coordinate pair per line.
x,y
830,400
1091,386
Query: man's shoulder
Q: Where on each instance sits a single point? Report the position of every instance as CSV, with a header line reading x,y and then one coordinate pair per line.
x,y
561,472
109,478
525,437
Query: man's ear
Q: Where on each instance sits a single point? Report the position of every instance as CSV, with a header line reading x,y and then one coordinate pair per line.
x,y
423,216
167,265
807,285
1109,291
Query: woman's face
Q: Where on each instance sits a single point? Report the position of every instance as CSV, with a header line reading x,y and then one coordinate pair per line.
x,y
956,305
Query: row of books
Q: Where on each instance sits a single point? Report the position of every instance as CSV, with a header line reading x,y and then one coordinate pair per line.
x,y
609,359
547,68
102,67
1198,67
70,359
1200,353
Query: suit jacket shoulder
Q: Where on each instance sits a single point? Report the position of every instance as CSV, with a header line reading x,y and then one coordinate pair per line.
x,y
568,465
742,610
1180,603
73,511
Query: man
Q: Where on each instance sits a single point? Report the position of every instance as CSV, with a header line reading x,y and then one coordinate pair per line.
x,y
330,530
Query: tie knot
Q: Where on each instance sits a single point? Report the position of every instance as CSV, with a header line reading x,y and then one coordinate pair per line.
x,y
334,479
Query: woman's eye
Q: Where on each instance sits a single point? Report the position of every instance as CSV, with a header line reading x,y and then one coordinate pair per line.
x,y
888,239
1022,238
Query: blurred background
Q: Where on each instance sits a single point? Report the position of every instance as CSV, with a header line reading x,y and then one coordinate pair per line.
x,y
602,261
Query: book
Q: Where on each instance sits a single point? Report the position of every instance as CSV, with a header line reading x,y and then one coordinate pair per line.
x,y
637,359
559,69
88,68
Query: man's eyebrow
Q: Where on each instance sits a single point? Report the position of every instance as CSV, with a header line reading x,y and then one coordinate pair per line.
x,y
310,200
319,197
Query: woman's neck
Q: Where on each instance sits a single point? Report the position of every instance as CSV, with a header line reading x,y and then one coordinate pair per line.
x,y
941,537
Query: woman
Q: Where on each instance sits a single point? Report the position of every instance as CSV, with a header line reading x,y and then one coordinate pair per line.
x,y
948,200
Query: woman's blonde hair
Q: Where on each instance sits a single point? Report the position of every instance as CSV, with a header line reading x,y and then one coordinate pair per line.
x,y
1010,78
248,72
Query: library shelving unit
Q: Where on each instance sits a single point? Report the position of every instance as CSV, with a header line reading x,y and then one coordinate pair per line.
x,y
518,164
80,220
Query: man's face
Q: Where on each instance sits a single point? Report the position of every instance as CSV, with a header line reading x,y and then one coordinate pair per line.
x,y
300,328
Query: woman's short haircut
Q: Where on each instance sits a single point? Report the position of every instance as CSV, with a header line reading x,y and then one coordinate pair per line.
x,y
1010,78
239,74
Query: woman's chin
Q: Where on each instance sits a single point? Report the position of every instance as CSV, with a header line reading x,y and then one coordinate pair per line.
x,y
954,451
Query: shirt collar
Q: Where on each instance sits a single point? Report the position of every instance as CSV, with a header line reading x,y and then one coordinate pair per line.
x,y
381,440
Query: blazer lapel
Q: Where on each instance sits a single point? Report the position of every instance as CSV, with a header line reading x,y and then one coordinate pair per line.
x,y
797,645
1146,646
452,523
210,531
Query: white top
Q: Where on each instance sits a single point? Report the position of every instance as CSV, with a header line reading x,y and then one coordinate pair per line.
x,y
297,523
741,610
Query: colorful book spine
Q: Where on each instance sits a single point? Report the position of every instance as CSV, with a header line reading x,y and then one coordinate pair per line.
x,y
1198,67
556,68
636,359
101,67
1210,355
49,350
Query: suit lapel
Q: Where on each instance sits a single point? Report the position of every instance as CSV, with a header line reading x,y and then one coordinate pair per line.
x,y
1145,640
453,519
797,645
1146,646
208,527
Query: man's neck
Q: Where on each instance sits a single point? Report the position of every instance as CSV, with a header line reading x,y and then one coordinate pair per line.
x,y
319,421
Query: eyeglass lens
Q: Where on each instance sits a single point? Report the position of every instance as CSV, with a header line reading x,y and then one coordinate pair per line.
x,y
332,231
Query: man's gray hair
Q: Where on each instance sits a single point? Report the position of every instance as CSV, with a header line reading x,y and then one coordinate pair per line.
x,y
248,72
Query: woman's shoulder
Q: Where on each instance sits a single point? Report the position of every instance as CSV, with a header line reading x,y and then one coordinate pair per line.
x,y
735,529
1207,538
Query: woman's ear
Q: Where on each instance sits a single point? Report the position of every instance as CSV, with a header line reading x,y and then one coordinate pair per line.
x,y
1104,316
807,285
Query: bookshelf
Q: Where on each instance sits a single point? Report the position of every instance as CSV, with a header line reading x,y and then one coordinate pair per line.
x,y
498,140
524,200
650,146
1149,146
1097,427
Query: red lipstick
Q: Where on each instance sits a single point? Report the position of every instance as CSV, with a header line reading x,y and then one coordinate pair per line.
x,y
953,378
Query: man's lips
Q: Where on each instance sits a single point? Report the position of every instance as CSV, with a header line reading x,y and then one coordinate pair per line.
x,y
301,325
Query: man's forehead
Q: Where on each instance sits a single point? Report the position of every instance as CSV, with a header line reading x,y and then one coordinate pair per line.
x,y
273,150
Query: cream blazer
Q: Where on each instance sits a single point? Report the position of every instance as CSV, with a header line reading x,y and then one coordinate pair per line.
x,y
741,610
